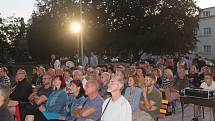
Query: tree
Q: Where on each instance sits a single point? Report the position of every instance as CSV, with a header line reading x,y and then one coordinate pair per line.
x,y
9,36
158,26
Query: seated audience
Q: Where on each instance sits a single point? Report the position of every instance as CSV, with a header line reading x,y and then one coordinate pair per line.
x,y
56,102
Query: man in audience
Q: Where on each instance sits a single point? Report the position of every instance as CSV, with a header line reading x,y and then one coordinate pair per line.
x,y
22,90
116,108
4,96
151,100
92,108
4,79
37,98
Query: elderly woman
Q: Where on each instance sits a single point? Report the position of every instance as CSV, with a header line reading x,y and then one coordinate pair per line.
x,y
56,102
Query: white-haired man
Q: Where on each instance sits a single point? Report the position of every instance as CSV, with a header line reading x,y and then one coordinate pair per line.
x,y
116,108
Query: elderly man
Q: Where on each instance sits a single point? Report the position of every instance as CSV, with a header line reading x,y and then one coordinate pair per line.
x,y
92,108
116,108
4,112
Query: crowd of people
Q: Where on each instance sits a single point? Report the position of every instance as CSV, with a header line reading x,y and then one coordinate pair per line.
x,y
93,92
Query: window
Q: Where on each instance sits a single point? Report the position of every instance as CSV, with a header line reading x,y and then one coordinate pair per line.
x,y
207,31
207,49
206,13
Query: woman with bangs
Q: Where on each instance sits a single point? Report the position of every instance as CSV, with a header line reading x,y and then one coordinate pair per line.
x,y
76,100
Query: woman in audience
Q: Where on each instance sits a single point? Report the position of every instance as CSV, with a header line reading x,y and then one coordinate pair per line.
x,y
56,102
167,84
133,93
76,100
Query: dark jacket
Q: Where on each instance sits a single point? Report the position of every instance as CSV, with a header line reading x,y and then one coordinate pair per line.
x,y
22,91
5,114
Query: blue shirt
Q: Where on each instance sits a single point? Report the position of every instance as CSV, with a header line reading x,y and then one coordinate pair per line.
x,y
72,103
96,104
135,102
56,102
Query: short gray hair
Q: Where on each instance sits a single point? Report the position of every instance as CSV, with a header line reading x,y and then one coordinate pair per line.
x,y
5,92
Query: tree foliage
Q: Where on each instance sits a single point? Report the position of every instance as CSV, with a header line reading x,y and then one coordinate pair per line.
x,y
159,26
11,31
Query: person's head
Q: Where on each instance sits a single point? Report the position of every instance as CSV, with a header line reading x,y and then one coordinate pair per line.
x,y
77,88
4,95
67,73
53,56
140,72
91,88
206,69
116,84
59,72
20,75
34,70
3,71
193,69
77,75
208,78
132,81
168,73
51,72
181,74
150,80
47,79
105,77
58,83
41,71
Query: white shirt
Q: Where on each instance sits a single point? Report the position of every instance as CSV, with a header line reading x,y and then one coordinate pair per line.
x,y
205,86
120,110
84,82
57,64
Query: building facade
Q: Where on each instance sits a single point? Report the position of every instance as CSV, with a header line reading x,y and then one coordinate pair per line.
x,y
206,33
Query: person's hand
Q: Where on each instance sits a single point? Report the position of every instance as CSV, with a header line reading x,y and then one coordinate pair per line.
x,y
42,108
61,118
89,120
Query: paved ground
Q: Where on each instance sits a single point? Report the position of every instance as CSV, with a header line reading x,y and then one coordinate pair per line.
x,y
188,113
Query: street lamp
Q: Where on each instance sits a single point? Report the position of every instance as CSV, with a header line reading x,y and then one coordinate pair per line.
x,y
76,28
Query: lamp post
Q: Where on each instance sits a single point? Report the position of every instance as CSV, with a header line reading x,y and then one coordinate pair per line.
x,y
81,33
76,28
